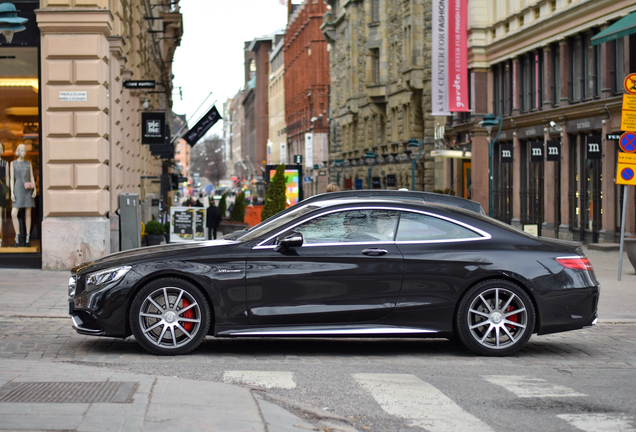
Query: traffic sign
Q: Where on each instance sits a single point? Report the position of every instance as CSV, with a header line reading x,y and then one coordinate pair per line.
x,y
626,168
630,83
628,116
628,142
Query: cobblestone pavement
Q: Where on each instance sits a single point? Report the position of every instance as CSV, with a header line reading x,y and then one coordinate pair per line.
x,y
605,345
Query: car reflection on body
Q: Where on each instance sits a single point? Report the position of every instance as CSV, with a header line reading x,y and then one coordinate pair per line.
x,y
358,267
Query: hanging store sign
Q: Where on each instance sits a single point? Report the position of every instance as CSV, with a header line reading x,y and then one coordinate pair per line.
x,y
309,149
202,126
536,151
613,136
553,150
594,147
506,153
449,57
153,127
145,84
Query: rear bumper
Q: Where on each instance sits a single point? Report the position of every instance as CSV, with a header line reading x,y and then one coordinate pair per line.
x,y
570,309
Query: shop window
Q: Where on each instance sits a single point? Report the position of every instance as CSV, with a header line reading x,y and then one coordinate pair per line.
x,y
20,150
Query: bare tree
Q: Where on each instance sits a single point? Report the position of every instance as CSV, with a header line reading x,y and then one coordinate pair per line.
x,y
206,159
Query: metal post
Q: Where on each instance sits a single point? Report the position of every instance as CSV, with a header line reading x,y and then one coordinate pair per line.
x,y
620,258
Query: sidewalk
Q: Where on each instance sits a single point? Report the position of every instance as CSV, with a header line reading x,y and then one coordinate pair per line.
x,y
157,403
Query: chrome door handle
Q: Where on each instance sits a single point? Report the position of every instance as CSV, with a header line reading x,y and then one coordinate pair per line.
x,y
375,252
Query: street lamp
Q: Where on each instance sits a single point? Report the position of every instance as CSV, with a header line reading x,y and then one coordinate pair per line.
x,y
488,122
413,145
370,159
339,163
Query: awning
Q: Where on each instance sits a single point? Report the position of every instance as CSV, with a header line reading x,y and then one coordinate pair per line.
x,y
623,27
455,154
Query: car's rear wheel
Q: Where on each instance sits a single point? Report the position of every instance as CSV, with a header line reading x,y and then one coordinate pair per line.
x,y
495,318
169,316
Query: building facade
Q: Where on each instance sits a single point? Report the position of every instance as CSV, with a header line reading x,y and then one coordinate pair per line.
x,y
380,94
63,105
559,98
277,143
307,92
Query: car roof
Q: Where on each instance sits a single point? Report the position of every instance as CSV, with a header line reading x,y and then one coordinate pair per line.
x,y
424,197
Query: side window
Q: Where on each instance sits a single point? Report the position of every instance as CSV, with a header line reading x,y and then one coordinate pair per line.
x,y
419,227
351,226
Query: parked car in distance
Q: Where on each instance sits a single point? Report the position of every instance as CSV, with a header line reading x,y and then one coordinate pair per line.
x,y
349,267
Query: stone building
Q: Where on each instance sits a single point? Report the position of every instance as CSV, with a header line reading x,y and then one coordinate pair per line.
x,y
559,96
307,91
380,93
62,97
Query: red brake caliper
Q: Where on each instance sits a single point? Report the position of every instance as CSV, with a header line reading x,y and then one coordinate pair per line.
x,y
187,314
514,318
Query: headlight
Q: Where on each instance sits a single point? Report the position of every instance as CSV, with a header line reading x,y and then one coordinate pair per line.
x,y
72,283
104,277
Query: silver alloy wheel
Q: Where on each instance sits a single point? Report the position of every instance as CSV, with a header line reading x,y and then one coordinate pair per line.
x,y
497,318
170,317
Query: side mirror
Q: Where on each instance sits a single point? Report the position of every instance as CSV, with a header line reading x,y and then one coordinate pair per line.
x,y
291,239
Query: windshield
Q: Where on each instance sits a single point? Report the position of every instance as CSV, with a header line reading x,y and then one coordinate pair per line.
x,y
276,222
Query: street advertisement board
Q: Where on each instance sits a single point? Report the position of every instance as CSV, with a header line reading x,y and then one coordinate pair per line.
x,y
293,184
187,224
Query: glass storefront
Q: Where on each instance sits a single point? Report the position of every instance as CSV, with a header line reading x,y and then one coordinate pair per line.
x,y
20,163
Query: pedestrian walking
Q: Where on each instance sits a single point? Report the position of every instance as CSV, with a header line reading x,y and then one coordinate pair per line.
x,y
212,219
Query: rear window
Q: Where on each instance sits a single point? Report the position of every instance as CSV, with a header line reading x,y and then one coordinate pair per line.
x,y
420,227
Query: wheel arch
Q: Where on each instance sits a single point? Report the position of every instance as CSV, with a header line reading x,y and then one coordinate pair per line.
x,y
169,275
519,283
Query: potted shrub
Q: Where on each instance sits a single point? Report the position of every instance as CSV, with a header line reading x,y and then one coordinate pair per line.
x,y
154,233
223,204
166,228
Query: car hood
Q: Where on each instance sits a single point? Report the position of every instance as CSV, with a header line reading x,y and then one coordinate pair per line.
x,y
144,253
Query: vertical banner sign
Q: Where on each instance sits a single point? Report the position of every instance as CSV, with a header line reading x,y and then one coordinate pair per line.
x,y
449,57
309,150
536,148
202,126
440,58
458,53
594,147
506,153
553,150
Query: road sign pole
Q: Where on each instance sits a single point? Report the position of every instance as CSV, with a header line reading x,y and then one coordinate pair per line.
x,y
620,258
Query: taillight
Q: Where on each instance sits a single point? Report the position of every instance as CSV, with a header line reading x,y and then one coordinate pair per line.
x,y
576,263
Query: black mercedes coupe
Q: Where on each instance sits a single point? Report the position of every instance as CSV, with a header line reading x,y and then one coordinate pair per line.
x,y
344,267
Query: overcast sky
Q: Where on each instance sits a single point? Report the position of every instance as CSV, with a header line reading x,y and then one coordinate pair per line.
x,y
210,58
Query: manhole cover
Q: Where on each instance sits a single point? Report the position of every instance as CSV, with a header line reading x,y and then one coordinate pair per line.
x,y
67,392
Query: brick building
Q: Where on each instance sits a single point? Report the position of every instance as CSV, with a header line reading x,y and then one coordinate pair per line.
x,y
307,89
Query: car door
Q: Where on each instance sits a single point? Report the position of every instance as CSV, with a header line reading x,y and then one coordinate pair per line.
x,y
348,270
439,260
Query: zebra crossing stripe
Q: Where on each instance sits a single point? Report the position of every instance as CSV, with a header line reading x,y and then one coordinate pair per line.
x,y
526,387
264,379
408,397
599,422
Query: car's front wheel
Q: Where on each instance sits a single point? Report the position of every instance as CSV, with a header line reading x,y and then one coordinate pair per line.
x,y
169,316
495,318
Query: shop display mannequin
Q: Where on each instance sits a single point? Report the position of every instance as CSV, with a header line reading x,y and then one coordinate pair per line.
x,y
4,197
21,173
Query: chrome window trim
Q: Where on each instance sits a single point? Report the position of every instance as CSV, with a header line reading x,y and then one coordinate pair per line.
x,y
484,235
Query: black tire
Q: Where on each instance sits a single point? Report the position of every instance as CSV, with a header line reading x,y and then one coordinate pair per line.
x,y
177,329
495,318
